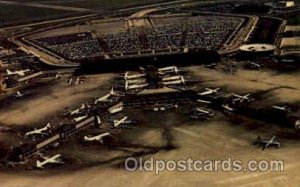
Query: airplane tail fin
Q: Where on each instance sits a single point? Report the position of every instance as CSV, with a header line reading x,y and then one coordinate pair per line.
x,y
8,72
48,125
182,79
112,91
39,164
97,120
175,69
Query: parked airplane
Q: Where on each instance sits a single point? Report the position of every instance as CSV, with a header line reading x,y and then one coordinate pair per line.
x,y
264,143
209,91
134,86
203,101
202,111
78,110
19,73
254,65
117,123
227,107
116,110
105,97
98,138
134,76
80,118
241,98
56,159
168,69
175,82
39,131
281,108
166,79
136,81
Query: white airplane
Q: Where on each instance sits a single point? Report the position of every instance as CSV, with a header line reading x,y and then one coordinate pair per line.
x,y
56,159
77,111
171,78
209,91
116,110
241,98
19,73
117,123
168,69
80,118
267,143
136,81
134,76
227,107
98,138
39,131
203,101
282,108
135,86
202,111
180,81
256,65
105,97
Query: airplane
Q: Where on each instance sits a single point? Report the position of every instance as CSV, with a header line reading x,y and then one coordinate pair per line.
x,y
281,108
168,69
105,97
56,159
180,81
134,76
116,110
203,101
227,107
136,81
202,111
117,123
80,118
241,98
171,78
255,65
267,143
135,86
98,138
77,111
19,73
209,91
38,131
